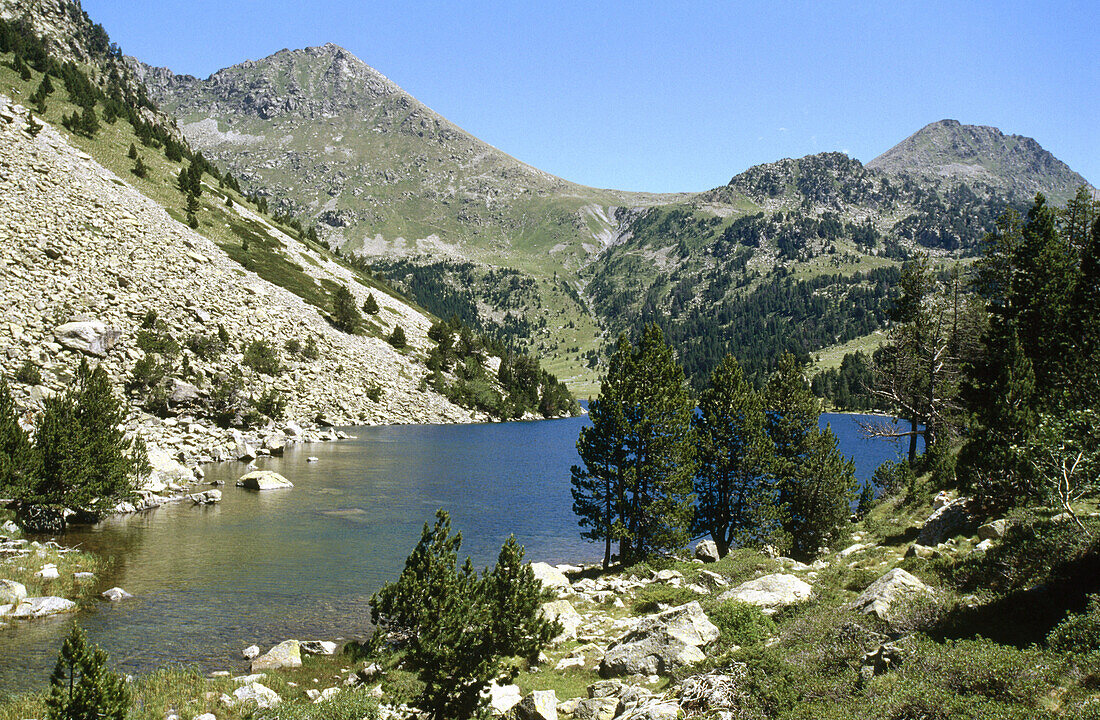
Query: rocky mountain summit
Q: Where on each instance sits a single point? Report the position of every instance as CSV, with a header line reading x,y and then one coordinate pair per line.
x,y
84,258
981,154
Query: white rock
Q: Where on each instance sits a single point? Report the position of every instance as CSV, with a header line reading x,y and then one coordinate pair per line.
x,y
115,594
771,592
550,576
36,607
250,652
884,596
262,696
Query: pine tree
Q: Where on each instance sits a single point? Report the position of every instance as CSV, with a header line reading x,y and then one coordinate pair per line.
x,y
82,687
183,182
815,484
192,204
139,168
89,123
15,446
345,315
82,459
599,486
370,305
734,499
132,153
458,629
397,338
33,126
646,450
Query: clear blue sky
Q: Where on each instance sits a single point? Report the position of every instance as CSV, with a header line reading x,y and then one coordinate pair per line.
x,y
668,96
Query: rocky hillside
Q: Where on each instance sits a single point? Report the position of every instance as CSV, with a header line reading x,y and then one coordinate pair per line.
x,y
978,154
85,258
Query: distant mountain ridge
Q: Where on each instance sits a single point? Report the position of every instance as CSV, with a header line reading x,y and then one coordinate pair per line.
x,y
949,149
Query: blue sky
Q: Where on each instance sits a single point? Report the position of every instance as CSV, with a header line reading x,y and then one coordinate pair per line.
x,y
675,96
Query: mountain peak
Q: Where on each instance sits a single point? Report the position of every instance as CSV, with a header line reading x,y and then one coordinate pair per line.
x,y
981,153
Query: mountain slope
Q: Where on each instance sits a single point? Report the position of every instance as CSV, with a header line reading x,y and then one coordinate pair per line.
x,y
979,154
442,215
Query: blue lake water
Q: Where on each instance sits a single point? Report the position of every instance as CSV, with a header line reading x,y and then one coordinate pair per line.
x,y
302,563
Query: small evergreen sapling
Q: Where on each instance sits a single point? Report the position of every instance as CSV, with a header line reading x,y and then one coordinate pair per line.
x,y
81,685
345,316
397,338
370,305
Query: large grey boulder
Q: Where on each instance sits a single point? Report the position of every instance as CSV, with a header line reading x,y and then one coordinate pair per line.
x,y
707,551
602,708
950,519
286,654
183,393
165,471
771,592
550,576
994,530
564,612
885,596
12,592
37,607
661,643
264,480
538,705
90,337
317,647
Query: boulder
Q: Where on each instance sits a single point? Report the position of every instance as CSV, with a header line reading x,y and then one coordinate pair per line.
x,y
503,698
602,708
285,654
264,480
771,592
261,696
48,572
550,576
115,594
275,444
183,393
36,607
950,519
993,530
661,643
250,652
707,551
208,497
244,452
566,614
884,596
90,337
317,647
538,705
921,551
165,471
12,593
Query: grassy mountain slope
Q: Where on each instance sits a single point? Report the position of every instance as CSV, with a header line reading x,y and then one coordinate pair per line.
x,y
795,254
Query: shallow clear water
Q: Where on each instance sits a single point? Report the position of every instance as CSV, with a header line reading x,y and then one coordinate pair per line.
x,y
262,567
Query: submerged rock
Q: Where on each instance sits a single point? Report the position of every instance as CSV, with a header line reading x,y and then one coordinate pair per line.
x,y
115,594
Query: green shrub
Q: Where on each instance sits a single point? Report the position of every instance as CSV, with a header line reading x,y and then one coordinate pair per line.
x,y
741,624
397,338
648,598
271,403
28,374
15,445
374,392
262,357
149,320
293,346
893,478
309,350
206,347
370,305
146,374
1080,632
158,341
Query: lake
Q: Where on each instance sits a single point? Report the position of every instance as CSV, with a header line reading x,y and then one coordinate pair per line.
x,y
303,563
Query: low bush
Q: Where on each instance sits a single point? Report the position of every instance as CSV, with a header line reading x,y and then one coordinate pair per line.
x,y
649,598
262,357
206,347
740,624
1079,633
271,403
28,374
158,342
